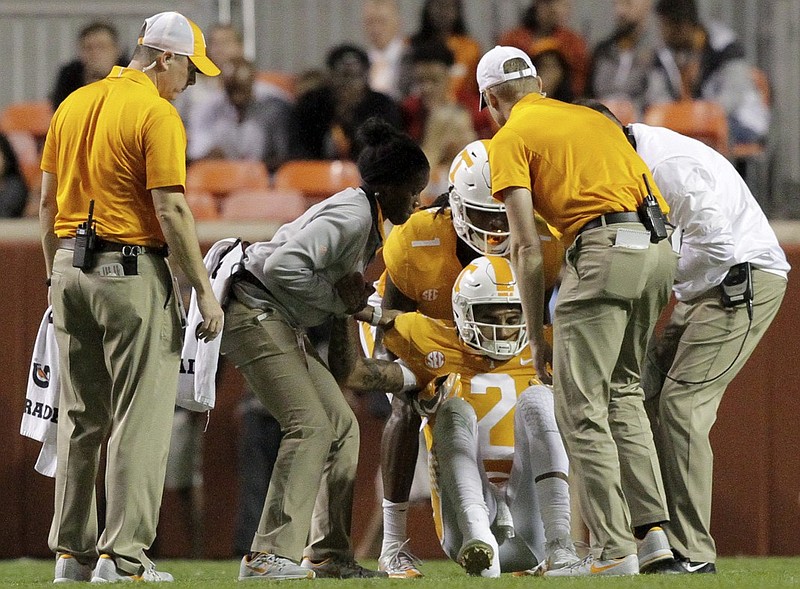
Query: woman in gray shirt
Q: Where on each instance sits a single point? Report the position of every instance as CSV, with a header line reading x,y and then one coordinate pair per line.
x,y
310,271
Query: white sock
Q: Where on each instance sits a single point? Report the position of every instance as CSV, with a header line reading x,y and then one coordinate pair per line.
x,y
395,516
553,494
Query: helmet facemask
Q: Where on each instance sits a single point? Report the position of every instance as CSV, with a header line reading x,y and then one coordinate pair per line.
x,y
478,290
478,218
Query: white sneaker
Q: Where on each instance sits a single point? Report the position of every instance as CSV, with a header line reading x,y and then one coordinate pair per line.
x,y
655,554
264,565
398,562
106,571
590,566
339,568
559,553
69,569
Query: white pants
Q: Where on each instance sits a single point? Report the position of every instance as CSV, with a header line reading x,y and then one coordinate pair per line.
x,y
459,481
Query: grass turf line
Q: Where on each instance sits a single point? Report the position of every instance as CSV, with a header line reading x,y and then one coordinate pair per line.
x,y
734,573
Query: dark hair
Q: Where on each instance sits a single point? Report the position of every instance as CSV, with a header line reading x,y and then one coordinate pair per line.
x,y
431,51
678,11
545,48
427,29
12,163
339,52
599,107
388,156
99,27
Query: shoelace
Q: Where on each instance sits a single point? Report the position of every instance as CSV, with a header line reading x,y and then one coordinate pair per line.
x,y
267,559
151,574
580,563
403,559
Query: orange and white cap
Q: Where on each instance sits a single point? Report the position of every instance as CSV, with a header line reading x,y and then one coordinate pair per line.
x,y
491,70
171,31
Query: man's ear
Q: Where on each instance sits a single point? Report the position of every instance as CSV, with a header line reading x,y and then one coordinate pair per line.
x,y
164,61
492,99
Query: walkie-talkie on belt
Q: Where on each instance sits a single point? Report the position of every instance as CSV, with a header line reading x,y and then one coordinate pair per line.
x,y
85,236
651,215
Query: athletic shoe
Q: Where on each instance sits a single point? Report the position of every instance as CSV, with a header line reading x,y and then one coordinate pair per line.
x,y
559,553
339,568
264,565
699,567
655,554
590,566
399,563
69,569
106,571
475,556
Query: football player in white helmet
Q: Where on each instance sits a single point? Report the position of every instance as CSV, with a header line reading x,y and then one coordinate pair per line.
x,y
478,218
423,258
481,291
498,465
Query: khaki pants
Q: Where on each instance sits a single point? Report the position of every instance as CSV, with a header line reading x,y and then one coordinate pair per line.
x,y
608,304
310,498
701,341
119,353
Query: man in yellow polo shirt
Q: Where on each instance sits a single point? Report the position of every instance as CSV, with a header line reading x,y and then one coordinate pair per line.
x,y
572,168
117,147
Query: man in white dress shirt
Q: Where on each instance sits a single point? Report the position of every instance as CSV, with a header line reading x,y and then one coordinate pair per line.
x,y
725,239
386,46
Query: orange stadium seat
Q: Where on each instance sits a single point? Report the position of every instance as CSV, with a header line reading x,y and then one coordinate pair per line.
x,y
32,117
703,120
281,206
221,176
203,205
317,179
286,81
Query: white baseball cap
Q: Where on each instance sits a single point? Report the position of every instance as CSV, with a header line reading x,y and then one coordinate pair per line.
x,y
490,68
171,31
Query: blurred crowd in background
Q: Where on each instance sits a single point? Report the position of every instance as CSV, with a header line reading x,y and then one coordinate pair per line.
x,y
278,141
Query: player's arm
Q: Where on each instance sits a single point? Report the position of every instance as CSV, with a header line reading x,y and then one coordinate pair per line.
x,y
526,257
355,372
393,298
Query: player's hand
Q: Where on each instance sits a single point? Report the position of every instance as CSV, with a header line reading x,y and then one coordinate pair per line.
x,y
213,317
354,291
542,356
441,388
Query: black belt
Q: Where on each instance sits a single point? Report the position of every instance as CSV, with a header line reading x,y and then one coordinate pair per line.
x,y
127,249
249,277
610,219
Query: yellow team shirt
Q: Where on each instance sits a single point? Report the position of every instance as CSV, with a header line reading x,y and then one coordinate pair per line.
x,y
113,141
432,348
570,184
420,257
421,260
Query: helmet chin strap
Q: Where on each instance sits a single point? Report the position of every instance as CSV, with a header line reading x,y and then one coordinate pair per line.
x,y
151,66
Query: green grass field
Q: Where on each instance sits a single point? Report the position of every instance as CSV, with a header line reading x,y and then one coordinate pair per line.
x,y
756,573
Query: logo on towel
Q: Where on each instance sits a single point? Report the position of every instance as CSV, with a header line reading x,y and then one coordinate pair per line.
x,y
41,375
41,410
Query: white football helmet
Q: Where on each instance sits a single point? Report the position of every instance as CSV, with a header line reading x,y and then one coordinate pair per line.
x,y
471,192
488,280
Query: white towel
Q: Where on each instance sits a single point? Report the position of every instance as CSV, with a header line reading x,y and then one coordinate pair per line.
x,y
199,359
40,417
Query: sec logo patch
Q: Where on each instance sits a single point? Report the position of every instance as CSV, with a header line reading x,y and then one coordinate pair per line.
x,y
434,360
430,294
